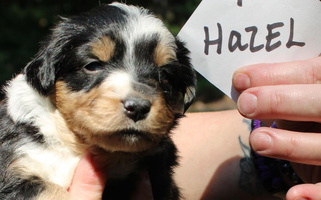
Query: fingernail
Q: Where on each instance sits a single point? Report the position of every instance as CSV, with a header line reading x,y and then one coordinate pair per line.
x,y
241,81
247,103
261,142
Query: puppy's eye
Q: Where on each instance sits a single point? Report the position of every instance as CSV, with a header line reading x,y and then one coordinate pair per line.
x,y
164,80
167,88
93,67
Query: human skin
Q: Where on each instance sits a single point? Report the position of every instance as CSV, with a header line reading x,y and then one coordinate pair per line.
x,y
215,158
288,93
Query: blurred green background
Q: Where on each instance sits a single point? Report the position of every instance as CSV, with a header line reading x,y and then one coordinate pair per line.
x,y
24,23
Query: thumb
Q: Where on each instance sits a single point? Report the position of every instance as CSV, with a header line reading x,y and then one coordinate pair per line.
x,y
88,183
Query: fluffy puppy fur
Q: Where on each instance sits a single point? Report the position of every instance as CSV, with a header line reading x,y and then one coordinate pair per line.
x,y
113,81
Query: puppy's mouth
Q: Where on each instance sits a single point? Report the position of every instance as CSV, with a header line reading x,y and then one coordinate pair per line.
x,y
130,132
128,140
133,135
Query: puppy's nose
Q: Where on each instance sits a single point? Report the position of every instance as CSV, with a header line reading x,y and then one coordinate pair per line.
x,y
136,109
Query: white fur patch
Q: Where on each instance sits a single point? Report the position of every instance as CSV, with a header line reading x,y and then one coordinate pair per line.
x,y
56,164
25,105
53,161
120,83
140,23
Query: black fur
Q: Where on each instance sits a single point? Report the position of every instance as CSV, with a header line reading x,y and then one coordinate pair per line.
x,y
65,57
13,136
64,46
159,163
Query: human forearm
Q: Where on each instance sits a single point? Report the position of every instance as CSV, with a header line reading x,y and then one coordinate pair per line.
x,y
215,158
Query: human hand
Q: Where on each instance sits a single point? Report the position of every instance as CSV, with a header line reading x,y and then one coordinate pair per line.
x,y
287,91
89,182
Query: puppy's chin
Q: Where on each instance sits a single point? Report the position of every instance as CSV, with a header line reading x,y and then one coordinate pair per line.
x,y
129,141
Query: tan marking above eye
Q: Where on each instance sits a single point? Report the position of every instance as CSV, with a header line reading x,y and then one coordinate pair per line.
x,y
103,48
164,54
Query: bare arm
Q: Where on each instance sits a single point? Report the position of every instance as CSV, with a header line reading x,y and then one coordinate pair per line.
x,y
215,158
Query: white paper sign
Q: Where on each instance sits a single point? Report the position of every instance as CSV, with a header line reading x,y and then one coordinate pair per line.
x,y
224,35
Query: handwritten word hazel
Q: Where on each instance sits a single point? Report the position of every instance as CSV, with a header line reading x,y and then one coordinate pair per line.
x,y
235,39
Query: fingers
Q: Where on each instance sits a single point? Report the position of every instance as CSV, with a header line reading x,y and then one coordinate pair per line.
x,y
290,102
299,72
287,145
304,191
283,90
88,183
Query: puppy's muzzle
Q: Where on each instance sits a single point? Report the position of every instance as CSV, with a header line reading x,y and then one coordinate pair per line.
x,y
136,108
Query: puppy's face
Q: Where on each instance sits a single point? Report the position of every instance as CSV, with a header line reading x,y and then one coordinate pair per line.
x,y
117,76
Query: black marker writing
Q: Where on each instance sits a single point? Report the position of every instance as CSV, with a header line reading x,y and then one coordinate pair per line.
x,y
232,46
290,41
235,39
239,3
272,35
254,30
217,42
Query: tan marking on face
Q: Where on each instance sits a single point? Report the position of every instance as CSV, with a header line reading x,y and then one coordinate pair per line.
x,y
68,137
96,115
164,54
103,48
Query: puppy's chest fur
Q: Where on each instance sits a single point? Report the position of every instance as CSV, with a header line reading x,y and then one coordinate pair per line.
x,y
27,152
55,165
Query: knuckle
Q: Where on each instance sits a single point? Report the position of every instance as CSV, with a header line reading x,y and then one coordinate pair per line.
x,y
290,148
313,74
276,102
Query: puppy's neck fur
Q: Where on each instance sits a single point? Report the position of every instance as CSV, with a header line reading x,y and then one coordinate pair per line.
x,y
26,106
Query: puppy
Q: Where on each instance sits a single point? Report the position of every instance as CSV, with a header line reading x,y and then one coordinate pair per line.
x,y
113,81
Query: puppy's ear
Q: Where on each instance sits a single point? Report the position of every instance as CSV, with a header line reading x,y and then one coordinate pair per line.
x,y
40,72
188,73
